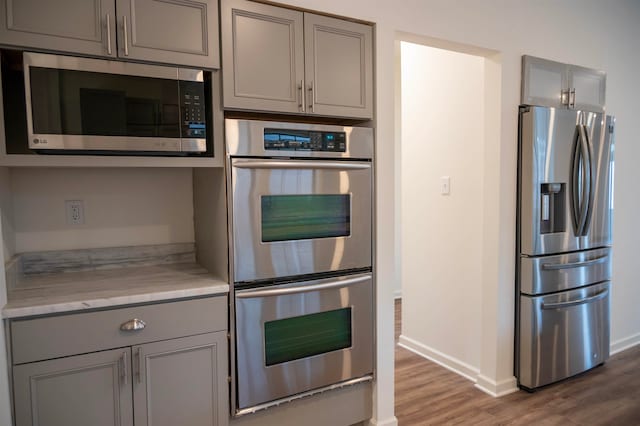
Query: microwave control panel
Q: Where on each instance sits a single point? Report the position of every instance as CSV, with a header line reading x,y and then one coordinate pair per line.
x,y
304,140
192,110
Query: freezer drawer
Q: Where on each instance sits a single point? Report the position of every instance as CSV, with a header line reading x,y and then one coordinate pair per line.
x,y
562,334
547,274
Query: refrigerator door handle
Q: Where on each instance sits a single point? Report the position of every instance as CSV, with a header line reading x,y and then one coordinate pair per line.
x,y
590,184
562,305
576,205
556,266
581,180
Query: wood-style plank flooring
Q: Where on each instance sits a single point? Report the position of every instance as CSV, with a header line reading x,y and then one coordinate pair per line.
x,y
428,394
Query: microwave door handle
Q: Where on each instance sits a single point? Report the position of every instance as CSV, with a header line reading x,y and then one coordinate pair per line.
x,y
561,305
300,288
332,165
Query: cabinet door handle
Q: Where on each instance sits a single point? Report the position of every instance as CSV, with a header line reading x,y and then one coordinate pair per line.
x,y
133,325
137,366
108,34
301,94
123,368
572,98
311,91
126,36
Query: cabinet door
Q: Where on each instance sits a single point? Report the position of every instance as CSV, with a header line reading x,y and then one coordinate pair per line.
x,y
92,389
590,86
182,381
338,67
183,32
543,82
78,26
262,55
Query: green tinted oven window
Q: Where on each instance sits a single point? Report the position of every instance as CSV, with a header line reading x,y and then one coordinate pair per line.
x,y
301,217
307,335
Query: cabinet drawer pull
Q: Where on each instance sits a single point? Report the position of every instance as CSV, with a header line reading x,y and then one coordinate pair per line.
x,y
133,325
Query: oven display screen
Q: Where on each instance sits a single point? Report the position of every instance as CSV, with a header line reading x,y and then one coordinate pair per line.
x,y
307,335
301,217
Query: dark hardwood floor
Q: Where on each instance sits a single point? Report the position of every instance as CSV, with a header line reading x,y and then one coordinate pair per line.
x,y
428,394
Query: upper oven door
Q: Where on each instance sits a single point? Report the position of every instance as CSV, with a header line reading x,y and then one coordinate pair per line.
x,y
296,217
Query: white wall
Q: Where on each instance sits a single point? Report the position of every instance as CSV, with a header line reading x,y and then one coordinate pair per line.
x,y
590,33
122,207
442,135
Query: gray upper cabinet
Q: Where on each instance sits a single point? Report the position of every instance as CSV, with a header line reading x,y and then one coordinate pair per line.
x,y
262,54
281,60
559,85
589,86
92,389
183,32
181,381
338,66
80,26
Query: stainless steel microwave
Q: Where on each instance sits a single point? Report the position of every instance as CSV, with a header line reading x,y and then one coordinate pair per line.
x,y
81,104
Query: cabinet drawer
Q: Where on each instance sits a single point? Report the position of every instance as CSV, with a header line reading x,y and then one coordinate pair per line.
x,y
50,337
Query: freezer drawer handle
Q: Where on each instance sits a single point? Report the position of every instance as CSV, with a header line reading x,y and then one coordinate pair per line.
x,y
562,305
556,266
303,288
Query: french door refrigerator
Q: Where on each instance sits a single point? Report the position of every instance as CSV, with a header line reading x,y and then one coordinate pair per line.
x,y
563,261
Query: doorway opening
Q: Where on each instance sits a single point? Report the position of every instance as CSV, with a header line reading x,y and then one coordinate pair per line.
x,y
447,128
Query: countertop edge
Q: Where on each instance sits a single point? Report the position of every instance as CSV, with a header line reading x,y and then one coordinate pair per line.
x,y
9,312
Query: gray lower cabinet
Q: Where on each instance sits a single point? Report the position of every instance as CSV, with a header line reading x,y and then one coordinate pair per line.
x,y
282,60
89,368
183,32
181,382
92,389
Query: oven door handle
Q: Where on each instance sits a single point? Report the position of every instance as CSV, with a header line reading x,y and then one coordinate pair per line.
x,y
300,288
292,164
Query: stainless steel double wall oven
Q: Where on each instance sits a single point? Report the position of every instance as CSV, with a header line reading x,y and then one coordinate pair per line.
x,y
301,202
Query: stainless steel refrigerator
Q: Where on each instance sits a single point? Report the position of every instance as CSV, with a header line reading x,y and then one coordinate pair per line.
x,y
563,261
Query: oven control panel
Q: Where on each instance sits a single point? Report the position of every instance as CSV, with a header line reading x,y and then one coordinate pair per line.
x,y
304,140
192,110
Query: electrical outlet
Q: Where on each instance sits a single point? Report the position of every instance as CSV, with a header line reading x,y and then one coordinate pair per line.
x,y
75,212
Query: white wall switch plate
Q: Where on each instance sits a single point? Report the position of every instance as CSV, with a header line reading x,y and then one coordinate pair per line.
x,y
445,185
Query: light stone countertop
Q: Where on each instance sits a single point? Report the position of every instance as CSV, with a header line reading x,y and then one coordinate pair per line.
x,y
43,294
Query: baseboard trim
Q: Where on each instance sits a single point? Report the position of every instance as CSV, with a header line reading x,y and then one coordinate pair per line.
x,y
392,421
496,389
624,344
450,363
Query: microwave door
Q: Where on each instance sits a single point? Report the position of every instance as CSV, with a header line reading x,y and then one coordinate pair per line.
x,y
557,181
81,104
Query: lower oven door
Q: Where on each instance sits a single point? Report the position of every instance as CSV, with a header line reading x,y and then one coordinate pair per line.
x,y
562,334
298,217
298,337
